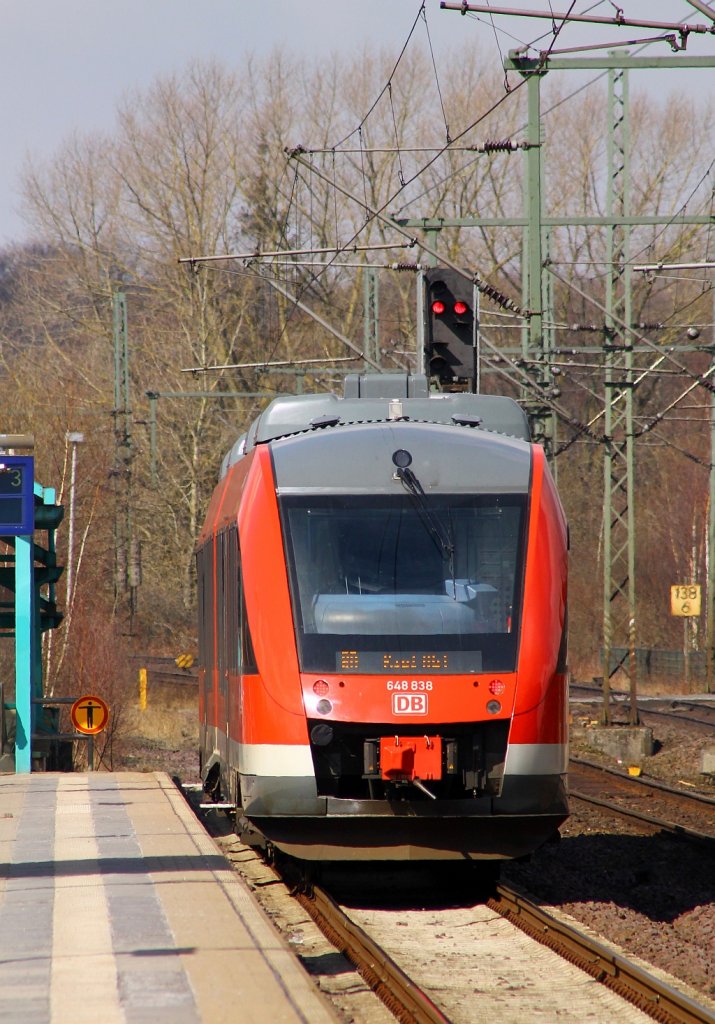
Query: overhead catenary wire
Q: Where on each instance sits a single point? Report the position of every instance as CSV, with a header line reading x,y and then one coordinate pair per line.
x,y
699,378
488,289
489,146
295,151
550,110
436,76
332,263
483,286
387,84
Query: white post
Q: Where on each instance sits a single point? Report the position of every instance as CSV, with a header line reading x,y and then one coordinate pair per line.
x,y
74,439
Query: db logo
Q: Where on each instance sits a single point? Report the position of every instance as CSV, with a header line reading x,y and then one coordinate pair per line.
x,y
409,703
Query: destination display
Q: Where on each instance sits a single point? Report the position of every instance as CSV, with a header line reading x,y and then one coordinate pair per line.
x,y
421,662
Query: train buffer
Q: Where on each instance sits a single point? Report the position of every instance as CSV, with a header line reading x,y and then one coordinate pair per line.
x,y
116,906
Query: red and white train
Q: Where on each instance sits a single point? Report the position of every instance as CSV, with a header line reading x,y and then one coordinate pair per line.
x,y
382,627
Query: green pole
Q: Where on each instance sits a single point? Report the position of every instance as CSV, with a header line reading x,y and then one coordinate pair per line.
x,y
371,316
25,660
619,598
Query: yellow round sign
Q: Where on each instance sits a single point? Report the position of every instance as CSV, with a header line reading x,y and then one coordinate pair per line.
x,y
89,715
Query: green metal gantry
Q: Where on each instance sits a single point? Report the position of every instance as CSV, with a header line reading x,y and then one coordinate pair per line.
x,y
620,342
619,576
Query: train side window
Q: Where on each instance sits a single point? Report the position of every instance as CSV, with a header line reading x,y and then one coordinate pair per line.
x,y
233,660
221,606
207,576
201,599
246,653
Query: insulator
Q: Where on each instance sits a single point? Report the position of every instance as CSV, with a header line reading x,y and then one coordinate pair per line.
x,y
500,145
501,300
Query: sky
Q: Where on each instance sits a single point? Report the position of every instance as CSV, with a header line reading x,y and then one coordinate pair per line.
x,y
65,64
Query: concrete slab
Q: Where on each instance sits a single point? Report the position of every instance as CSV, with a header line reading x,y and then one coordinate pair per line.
x,y
115,905
627,744
707,762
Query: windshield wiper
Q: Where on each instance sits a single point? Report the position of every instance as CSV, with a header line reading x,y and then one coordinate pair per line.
x,y
441,537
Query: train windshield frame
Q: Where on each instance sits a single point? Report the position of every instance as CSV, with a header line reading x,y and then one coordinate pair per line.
x,y
384,583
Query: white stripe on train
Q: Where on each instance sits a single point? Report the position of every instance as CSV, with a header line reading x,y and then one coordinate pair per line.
x,y
276,760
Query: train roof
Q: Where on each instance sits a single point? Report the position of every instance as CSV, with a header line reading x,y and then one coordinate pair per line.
x,y
380,398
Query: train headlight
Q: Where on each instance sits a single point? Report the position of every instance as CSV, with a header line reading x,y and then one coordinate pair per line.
x,y
321,734
320,687
323,707
401,458
493,707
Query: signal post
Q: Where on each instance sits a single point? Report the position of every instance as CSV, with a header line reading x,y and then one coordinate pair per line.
x,y
26,568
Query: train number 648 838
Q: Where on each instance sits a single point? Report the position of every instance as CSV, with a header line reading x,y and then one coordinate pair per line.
x,y
413,685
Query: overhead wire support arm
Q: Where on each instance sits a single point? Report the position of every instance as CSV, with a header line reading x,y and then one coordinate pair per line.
x,y
268,365
413,267
296,301
258,254
617,20
668,37
490,146
655,268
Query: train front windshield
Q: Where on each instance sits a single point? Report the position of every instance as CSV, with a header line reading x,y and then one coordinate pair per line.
x,y
388,584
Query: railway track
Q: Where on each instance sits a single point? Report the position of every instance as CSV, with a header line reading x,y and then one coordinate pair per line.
x,y
697,715
405,1000
691,815
655,997
439,953
503,976
166,670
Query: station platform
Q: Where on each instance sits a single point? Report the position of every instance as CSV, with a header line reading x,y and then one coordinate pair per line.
x,y
116,906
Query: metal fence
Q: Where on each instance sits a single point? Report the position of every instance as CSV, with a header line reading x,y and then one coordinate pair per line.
x,y
661,664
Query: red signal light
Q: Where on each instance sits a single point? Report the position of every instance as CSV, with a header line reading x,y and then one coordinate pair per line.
x,y
460,308
438,307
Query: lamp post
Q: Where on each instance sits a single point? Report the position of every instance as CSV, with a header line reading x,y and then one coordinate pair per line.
x,y
74,438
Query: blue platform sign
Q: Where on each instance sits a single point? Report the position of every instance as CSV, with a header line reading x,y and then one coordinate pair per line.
x,y
17,495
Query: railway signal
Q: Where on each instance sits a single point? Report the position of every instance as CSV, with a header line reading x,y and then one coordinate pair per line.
x,y
450,336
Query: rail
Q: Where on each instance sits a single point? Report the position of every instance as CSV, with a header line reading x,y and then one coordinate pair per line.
x,y
663,787
646,709
408,1002
402,997
696,802
649,993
